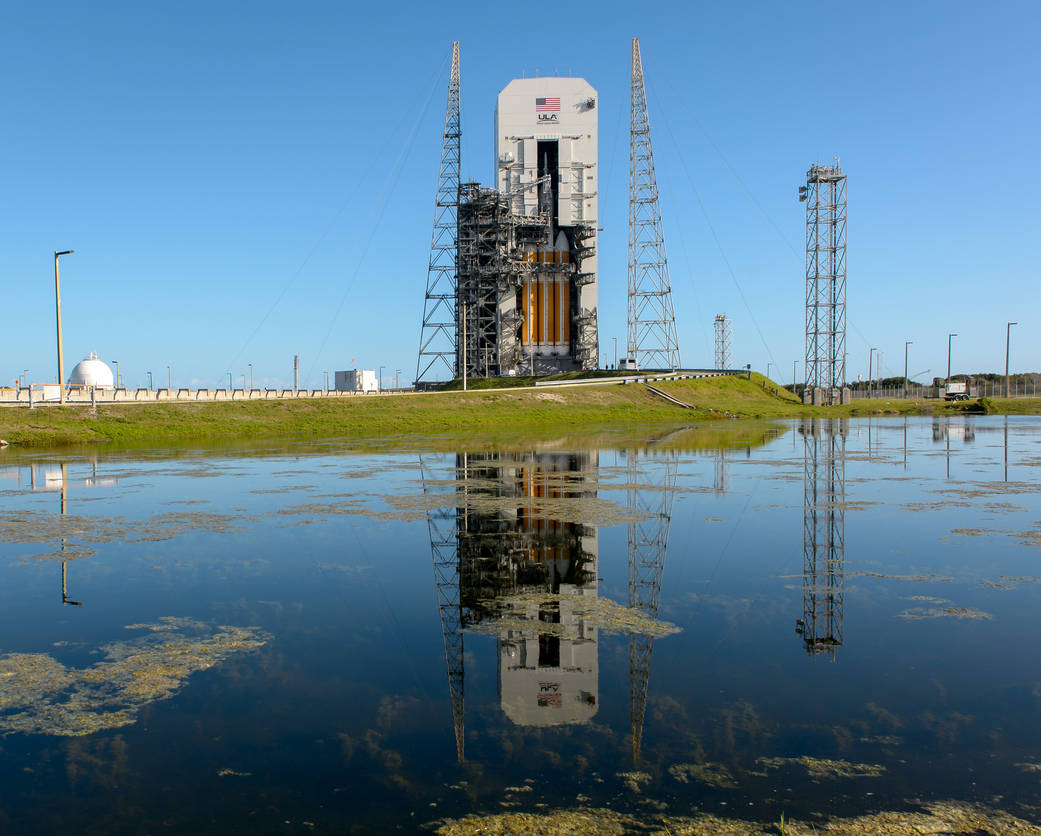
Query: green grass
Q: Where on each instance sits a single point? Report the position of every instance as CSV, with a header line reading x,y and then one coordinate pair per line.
x,y
481,414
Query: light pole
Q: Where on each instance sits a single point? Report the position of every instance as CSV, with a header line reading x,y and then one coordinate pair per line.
x,y
25,378
169,380
907,383
116,364
949,338
615,351
149,381
381,379
794,378
57,314
326,389
243,380
870,356
251,377
1008,336
230,386
397,378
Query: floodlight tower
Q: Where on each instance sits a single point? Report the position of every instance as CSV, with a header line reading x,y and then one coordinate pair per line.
x,y
824,537
437,339
652,339
723,340
825,198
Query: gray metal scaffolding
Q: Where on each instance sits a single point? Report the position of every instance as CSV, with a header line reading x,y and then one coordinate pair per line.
x,y
825,198
651,335
723,341
437,339
824,536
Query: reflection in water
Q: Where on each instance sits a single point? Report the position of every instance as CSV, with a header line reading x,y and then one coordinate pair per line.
x,y
944,429
824,532
55,477
532,579
648,543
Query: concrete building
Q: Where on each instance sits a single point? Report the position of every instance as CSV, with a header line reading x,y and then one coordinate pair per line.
x,y
527,281
357,380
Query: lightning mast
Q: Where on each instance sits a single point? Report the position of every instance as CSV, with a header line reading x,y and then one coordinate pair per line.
x,y
651,336
437,339
825,198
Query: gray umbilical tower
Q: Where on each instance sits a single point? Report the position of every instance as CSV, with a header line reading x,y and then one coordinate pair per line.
x,y
651,334
825,198
437,339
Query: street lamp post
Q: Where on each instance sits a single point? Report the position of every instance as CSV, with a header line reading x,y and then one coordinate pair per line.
x,y
149,381
1008,336
169,380
326,389
907,383
949,338
870,356
230,385
116,364
381,379
57,314
25,378
615,351
397,377
251,377
794,378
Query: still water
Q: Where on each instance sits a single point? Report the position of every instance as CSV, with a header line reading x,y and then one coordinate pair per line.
x,y
823,618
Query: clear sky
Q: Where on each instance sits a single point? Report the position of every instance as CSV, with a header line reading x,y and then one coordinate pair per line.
x,y
243,182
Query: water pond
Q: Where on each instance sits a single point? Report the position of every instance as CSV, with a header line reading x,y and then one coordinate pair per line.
x,y
679,631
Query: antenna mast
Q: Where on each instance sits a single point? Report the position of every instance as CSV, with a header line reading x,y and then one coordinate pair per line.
x,y
437,339
652,339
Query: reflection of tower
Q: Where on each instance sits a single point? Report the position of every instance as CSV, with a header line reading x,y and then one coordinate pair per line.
x,y
648,541
824,531
441,523
721,477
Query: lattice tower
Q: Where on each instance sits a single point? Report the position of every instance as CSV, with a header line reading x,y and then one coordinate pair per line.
x,y
723,341
825,198
437,339
648,542
651,334
824,537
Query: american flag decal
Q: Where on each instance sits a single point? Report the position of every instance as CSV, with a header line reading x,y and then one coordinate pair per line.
x,y
547,105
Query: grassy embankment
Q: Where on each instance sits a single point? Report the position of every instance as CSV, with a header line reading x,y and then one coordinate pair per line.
x,y
482,413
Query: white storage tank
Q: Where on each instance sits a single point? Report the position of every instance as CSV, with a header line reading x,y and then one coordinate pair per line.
x,y
90,371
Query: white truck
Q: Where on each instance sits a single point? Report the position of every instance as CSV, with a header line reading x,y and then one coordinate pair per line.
x,y
956,390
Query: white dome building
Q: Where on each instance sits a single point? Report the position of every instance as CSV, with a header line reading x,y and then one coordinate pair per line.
x,y
91,371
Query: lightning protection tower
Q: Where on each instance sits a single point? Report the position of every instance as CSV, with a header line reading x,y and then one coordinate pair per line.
x,y
723,339
437,339
825,198
652,339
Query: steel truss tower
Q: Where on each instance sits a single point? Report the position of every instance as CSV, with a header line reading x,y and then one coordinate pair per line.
x,y
723,341
444,548
648,542
437,339
825,198
651,336
824,533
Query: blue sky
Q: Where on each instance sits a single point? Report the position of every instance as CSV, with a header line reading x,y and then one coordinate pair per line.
x,y
246,182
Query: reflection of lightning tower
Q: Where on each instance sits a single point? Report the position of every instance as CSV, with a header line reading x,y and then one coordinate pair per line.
x,y
723,358
648,541
721,480
651,337
438,334
441,523
825,197
824,531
